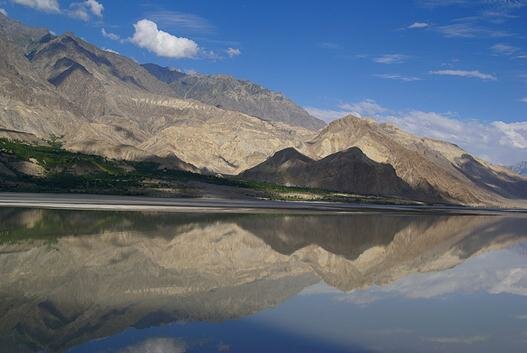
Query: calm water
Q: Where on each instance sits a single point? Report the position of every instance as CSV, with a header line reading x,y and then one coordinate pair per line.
x,y
84,281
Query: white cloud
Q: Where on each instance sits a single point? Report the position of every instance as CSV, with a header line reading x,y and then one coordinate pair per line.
x,y
466,73
469,30
326,114
418,25
156,345
3,12
391,59
524,100
95,7
43,5
398,77
515,134
161,43
366,107
110,35
232,52
498,141
110,50
504,49
181,21
84,10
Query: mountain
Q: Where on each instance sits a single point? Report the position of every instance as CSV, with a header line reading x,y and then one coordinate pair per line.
x,y
520,168
349,171
229,93
423,163
104,103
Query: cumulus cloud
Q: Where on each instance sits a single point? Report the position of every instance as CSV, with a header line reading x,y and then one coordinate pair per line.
x,y
232,52
110,35
398,77
84,10
418,25
42,5
391,59
466,73
497,141
156,345
3,12
95,7
161,43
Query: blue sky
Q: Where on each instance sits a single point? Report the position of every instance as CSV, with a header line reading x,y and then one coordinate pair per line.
x,y
450,69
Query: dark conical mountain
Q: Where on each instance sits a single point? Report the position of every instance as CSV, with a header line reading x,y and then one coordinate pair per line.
x,y
347,171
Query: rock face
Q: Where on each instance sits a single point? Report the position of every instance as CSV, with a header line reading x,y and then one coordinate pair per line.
x,y
70,277
348,171
424,164
232,94
520,168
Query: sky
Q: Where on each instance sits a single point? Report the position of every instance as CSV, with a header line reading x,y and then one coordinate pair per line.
x,y
448,69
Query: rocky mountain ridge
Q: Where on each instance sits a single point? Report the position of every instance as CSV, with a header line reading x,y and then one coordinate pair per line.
x,y
229,93
103,103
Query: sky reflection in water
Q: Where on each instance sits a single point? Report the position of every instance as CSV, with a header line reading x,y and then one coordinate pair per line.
x,y
80,281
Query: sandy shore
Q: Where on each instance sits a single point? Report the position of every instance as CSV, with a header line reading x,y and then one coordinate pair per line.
x,y
136,203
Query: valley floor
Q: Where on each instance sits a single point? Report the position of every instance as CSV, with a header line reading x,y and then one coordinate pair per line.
x,y
216,205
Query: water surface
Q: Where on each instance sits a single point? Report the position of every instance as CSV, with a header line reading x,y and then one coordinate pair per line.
x,y
88,281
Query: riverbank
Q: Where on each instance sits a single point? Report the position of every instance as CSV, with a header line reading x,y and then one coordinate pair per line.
x,y
220,205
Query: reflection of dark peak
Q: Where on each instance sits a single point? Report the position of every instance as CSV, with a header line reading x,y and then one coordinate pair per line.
x,y
345,236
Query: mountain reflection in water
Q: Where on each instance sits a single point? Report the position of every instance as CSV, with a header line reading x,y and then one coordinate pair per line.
x,y
86,281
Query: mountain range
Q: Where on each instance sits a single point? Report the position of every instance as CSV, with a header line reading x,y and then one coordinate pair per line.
x,y
99,102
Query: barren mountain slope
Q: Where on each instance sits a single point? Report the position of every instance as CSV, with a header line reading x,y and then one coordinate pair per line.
x,y
106,104
421,162
233,94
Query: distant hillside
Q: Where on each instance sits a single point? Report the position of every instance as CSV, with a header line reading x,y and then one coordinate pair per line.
x,y
243,96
